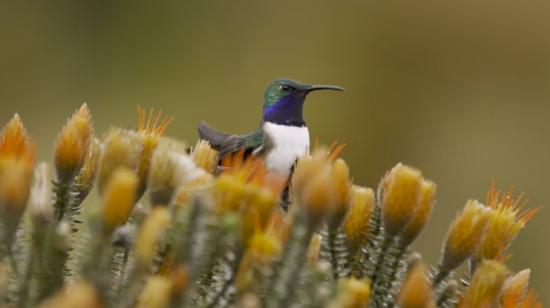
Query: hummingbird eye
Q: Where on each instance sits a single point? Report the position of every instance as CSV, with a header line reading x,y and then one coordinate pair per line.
x,y
286,88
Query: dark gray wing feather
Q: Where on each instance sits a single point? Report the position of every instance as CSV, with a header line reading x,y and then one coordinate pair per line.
x,y
227,143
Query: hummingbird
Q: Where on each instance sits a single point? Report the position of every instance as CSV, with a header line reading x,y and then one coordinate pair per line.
x,y
283,135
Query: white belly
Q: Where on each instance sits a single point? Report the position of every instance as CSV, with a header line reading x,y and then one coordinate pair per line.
x,y
288,143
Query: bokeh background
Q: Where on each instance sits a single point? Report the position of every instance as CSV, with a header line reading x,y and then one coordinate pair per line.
x,y
460,90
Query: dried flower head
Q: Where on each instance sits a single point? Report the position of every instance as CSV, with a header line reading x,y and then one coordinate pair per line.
x,y
118,199
421,214
72,144
485,285
79,295
352,293
156,293
17,155
356,225
121,148
153,228
464,235
416,291
205,156
400,193
506,218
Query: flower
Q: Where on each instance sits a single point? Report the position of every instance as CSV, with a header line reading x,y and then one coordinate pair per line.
x,y
72,144
421,214
352,293
205,156
416,291
118,199
153,228
17,156
150,132
400,191
506,218
515,289
121,148
485,285
85,180
464,234
356,225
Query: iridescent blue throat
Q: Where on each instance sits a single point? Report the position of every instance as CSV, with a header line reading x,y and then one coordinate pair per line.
x,y
287,111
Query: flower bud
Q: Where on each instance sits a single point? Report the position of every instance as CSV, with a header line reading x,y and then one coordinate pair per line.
x,y
156,293
356,225
485,285
352,293
153,228
421,215
464,235
121,148
205,156
515,289
17,156
416,290
401,189
118,199
72,144
85,180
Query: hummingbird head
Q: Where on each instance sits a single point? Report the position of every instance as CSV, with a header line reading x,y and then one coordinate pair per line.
x,y
284,101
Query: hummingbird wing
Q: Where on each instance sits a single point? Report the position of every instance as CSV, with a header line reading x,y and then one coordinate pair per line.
x,y
228,143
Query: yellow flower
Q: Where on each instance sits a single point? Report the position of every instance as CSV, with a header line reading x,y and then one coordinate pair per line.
x,y
121,148
416,291
205,156
485,285
263,246
150,131
153,228
156,293
79,295
314,185
85,179
352,293
118,199
356,225
506,218
314,249
340,175
163,179
515,289
72,144
17,155
421,214
464,234
15,143
400,189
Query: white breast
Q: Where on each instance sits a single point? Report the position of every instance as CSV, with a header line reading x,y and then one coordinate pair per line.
x,y
288,144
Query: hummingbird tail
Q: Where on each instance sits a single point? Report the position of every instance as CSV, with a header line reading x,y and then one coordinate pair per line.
x,y
222,142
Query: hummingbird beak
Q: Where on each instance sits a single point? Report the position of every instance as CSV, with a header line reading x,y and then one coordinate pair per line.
x,y
317,87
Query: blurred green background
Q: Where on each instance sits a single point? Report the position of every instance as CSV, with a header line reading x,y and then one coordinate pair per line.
x,y
460,90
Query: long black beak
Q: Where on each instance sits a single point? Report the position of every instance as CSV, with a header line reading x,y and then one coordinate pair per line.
x,y
317,87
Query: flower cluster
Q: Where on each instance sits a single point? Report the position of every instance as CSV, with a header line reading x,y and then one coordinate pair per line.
x,y
176,227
